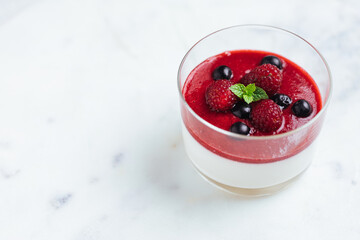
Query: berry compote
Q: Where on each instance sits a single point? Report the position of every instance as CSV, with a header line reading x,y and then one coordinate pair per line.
x,y
296,84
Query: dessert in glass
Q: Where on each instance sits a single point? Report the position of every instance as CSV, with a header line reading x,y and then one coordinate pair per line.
x,y
253,100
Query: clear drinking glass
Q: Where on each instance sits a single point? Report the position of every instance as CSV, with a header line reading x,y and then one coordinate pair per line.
x,y
226,159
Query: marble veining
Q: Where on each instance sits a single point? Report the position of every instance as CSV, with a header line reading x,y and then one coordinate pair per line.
x,y
117,160
90,134
61,201
6,174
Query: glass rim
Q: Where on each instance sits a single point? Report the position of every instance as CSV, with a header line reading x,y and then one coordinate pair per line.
x,y
243,137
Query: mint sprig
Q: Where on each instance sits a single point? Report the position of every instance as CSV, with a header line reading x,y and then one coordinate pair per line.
x,y
250,93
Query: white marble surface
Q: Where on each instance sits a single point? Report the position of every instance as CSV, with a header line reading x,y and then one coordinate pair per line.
x,y
90,143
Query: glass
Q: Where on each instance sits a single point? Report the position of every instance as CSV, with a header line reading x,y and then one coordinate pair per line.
x,y
225,159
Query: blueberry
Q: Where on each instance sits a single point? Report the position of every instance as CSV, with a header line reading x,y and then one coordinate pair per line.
x,y
240,128
272,60
222,72
282,100
302,108
241,110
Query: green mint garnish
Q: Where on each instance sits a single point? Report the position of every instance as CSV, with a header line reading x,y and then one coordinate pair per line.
x,y
259,94
250,93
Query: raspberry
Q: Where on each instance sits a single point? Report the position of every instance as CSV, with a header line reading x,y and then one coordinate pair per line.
x,y
219,97
266,76
266,115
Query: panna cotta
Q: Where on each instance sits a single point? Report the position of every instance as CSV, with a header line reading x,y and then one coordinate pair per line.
x,y
250,119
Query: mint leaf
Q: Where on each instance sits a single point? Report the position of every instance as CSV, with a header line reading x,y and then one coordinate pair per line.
x,y
250,88
250,93
238,89
259,94
248,98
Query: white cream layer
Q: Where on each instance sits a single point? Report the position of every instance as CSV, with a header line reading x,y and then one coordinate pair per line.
x,y
245,175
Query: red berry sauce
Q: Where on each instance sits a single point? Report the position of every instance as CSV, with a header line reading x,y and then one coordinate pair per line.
x,y
296,83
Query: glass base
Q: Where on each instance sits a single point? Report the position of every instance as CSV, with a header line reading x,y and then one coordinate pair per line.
x,y
251,192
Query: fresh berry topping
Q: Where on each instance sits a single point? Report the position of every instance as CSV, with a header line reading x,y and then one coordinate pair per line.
x,y
240,128
266,115
222,72
267,77
241,110
302,108
282,100
272,60
219,97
